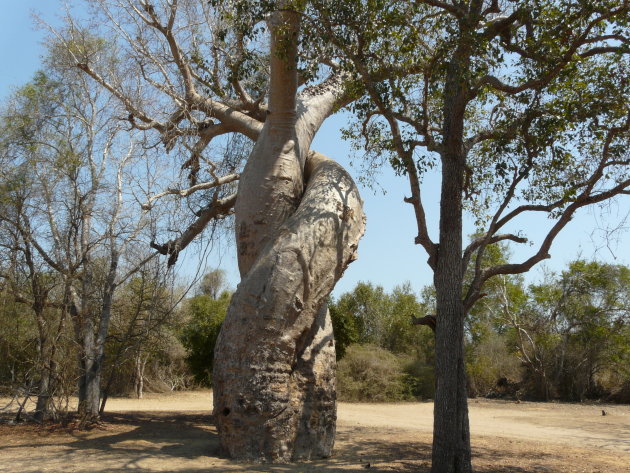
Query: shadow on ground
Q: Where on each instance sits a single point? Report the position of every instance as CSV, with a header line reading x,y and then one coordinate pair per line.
x,y
148,442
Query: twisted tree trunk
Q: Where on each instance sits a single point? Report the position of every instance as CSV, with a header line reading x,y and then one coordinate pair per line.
x,y
274,373
298,223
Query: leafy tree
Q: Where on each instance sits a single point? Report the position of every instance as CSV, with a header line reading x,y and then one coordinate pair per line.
x,y
572,335
400,336
18,333
369,315
366,308
213,283
489,354
27,277
344,328
521,106
205,315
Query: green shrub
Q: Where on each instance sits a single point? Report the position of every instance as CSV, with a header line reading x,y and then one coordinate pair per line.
x,y
199,335
371,374
420,378
488,361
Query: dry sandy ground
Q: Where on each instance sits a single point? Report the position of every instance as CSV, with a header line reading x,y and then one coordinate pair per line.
x,y
174,433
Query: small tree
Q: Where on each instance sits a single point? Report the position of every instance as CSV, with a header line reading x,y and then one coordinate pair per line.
x,y
73,206
213,284
369,315
142,331
205,315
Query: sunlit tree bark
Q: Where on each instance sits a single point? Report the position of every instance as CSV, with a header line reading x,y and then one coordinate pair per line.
x,y
298,214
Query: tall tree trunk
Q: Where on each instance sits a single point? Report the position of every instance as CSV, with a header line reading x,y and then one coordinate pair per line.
x,y
42,407
274,368
451,433
93,346
274,379
90,374
45,350
141,364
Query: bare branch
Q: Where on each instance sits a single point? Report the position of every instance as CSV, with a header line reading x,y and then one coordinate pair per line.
x,y
497,84
428,320
217,209
543,251
489,241
498,24
191,190
455,9
133,110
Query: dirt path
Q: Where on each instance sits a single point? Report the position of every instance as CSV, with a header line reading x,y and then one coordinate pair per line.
x,y
576,425
174,433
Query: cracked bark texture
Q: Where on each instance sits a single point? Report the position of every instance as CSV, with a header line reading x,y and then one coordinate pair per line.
x,y
298,221
274,373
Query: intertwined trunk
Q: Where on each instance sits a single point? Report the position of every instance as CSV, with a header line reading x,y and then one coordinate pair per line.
x,y
274,372
298,223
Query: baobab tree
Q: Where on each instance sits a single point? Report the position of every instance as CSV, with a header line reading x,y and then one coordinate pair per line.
x,y
196,73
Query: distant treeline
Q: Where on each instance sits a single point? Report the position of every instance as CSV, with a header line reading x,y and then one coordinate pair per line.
x,y
566,338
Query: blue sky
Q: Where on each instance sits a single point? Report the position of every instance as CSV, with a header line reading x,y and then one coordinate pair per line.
x,y
387,255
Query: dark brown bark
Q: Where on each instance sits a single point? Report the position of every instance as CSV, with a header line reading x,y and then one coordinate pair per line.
x,y
451,434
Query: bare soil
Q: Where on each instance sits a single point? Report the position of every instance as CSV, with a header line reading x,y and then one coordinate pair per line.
x,y
174,433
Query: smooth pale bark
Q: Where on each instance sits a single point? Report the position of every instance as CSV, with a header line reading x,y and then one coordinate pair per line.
x,y
272,181
298,222
274,380
141,364
92,351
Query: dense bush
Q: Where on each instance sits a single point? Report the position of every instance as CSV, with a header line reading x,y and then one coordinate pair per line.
x,y
566,339
199,335
572,334
488,361
419,379
370,373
